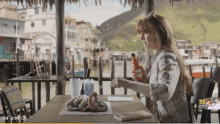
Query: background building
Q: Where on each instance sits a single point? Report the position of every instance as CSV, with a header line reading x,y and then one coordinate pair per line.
x,y
8,36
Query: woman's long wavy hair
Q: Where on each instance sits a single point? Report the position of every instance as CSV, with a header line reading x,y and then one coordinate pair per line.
x,y
164,37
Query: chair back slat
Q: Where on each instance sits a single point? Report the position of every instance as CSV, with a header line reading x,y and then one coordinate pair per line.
x,y
13,94
12,98
4,108
200,89
205,117
191,111
216,74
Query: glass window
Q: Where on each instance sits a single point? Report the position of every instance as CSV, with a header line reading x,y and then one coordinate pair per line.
x,y
43,22
12,47
70,28
38,50
4,26
15,29
32,24
36,10
47,50
74,36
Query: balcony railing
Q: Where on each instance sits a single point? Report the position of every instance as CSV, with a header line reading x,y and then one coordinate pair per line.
x,y
11,33
185,47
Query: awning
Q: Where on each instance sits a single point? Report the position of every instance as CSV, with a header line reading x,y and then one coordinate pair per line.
x,y
25,38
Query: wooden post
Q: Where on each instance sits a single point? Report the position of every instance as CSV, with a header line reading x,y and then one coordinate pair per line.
x,y
138,94
149,8
203,71
60,45
211,72
113,75
216,62
100,77
125,73
47,88
17,65
18,71
85,63
39,95
73,73
45,68
33,97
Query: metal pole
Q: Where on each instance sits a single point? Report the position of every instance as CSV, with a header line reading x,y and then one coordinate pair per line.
x,y
17,37
81,38
60,43
50,60
89,45
31,42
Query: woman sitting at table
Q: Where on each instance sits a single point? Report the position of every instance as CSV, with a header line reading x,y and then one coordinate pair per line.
x,y
165,80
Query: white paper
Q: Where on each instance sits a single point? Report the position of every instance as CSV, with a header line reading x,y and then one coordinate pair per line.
x,y
117,98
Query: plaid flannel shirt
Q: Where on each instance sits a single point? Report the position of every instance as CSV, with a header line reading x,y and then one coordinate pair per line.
x,y
165,88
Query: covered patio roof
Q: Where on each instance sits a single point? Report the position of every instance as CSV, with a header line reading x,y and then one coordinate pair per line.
x,y
59,15
50,3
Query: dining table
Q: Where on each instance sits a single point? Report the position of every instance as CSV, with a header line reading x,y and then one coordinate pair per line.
x,y
50,113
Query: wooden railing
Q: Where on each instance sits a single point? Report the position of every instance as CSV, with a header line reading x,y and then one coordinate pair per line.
x,y
102,79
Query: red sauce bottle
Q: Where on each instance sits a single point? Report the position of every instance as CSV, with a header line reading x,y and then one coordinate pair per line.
x,y
137,68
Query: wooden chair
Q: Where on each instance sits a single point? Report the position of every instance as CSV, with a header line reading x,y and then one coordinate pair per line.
x,y
191,110
12,98
3,78
200,89
206,114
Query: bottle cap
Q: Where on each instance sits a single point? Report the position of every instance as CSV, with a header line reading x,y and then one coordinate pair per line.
x,y
132,54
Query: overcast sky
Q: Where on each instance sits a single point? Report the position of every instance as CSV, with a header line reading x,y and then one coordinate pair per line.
x,y
92,13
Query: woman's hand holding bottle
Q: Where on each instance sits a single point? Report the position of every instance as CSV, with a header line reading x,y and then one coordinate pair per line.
x,y
137,70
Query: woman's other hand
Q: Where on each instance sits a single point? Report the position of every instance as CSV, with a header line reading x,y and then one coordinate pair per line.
x,y
114,83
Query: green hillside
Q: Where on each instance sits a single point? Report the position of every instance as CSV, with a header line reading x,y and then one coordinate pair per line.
x,y
197,22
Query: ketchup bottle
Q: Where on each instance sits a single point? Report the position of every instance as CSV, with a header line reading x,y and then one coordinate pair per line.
x,y
137,68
